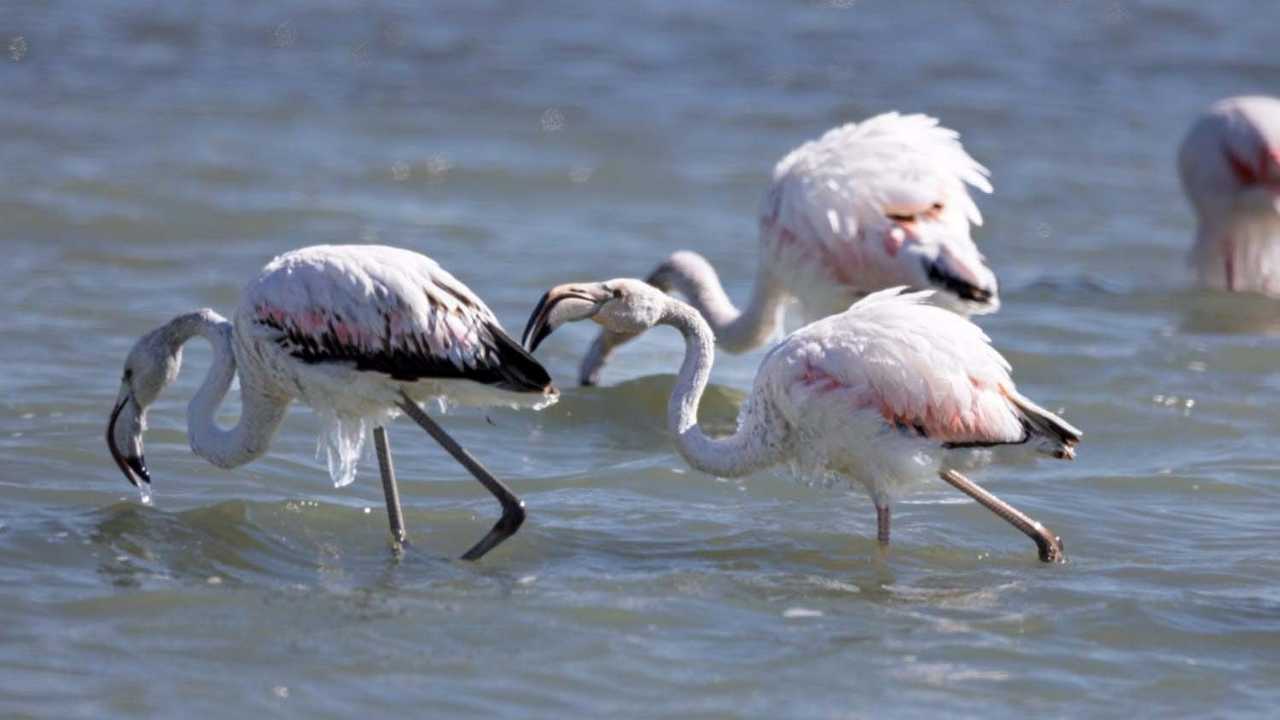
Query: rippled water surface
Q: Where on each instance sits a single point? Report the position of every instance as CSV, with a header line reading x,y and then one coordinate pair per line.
x,y
154,155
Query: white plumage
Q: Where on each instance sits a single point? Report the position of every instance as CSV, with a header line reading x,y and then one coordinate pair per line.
x,y
394,317
1230,169
888,393
827,214
360,334
869,205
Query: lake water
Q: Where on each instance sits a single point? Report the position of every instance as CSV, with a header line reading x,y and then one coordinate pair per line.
x,y
154,155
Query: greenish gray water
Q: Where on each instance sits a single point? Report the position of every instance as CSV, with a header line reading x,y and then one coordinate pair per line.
x,y
155,156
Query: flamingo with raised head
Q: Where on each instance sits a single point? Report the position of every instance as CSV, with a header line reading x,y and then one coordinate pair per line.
x,y
1230,169
889,392
867,206
360,333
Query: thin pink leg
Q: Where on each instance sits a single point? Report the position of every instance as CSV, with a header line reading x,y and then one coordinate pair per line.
x,y
882,524
1050,545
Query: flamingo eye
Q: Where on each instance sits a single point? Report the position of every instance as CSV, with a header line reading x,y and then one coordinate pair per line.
x,y
128,374
901,217
937,207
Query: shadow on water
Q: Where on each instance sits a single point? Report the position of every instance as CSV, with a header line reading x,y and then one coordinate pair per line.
x,y
290,545
1208,312
1198,311
221,541
635,410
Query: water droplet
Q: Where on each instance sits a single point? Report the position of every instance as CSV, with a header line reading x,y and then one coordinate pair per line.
x,y
283,36
360,53
399,171
528,580
281,692
144,495
368,510
27,416
579,174
1197,366
799,612
552,120
17,48
213,580
438,166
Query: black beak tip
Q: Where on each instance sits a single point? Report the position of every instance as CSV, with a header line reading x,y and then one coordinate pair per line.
x,y
944,280
534,317
543,331
139,467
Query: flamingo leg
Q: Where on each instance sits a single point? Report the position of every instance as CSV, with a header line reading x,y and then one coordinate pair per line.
x,y
512,507
1050,545
882,525
389,490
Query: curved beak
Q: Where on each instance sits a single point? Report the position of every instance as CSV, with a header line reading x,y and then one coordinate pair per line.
x,y
962,284
132,464
953,265
561,304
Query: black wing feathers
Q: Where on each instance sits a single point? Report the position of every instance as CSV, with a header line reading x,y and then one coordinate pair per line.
x,y
498,361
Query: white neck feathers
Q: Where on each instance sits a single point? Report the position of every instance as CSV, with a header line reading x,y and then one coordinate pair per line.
x,y
751,447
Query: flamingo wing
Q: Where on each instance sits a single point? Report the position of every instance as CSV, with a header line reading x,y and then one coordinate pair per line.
x,y
385,310
921,368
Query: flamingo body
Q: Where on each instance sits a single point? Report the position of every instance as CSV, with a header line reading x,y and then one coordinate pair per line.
x,y
347,328
891,391
888,393
358,333
867,206
1229,164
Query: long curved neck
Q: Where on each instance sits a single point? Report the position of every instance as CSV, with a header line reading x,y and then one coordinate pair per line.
x,y
735,330
751,447
1239,252
260,411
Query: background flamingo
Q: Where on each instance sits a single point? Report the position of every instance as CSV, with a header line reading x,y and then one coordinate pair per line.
x,y
1230,168
888,392
867,206
360,334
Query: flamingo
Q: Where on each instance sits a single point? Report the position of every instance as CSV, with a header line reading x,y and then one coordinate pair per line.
x,y
1230,169
359,333
867,206
889,392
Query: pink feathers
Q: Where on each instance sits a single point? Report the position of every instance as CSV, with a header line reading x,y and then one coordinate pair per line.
x,y
914,366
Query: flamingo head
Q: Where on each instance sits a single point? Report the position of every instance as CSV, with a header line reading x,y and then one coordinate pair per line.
x,y
926,243
622,306
152,364
1230,160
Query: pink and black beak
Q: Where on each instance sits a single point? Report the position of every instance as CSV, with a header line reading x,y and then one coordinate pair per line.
x,y
131,463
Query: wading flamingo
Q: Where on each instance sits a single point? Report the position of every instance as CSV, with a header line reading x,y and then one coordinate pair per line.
x,y
1230,168
359,333
867,206
888,392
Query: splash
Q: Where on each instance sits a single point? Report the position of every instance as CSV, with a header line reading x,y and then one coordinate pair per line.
x,y
342,443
